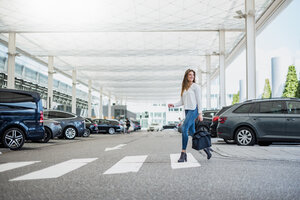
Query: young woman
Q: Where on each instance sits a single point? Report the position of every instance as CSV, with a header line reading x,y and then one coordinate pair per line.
x,y
191,100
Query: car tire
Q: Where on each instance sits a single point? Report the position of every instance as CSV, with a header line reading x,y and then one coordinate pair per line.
x,y
47,135
264,143
13,138
70,133
111,131
245,136
87,132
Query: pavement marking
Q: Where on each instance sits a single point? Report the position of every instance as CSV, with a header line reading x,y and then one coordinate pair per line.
x,y
56,171
127,164
191,161
13,165
115,148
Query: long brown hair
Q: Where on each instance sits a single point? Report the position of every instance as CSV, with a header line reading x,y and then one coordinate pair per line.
x,y
185,82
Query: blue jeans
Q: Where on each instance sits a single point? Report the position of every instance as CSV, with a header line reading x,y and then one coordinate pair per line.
x,y
188,126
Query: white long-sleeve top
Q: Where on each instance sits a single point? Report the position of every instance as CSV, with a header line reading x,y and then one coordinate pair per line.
x,y
191,98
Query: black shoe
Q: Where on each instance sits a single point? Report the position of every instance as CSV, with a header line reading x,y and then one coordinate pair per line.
x,y
207,151
183,157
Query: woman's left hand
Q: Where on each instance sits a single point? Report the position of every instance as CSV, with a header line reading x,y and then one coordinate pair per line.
x,y
200,117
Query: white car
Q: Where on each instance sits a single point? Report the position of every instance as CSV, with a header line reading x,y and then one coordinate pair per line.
x,y
154,127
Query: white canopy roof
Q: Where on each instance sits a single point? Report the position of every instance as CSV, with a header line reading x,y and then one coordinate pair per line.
x,y
133,49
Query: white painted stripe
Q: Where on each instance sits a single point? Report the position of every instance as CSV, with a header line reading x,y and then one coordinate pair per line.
x,y
13,165
56,170
115,148
127,164
191,161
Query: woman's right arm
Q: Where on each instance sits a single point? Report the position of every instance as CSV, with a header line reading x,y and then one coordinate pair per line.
x,y
179,103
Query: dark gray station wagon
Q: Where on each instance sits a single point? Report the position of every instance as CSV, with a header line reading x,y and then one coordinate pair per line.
x,y
262,121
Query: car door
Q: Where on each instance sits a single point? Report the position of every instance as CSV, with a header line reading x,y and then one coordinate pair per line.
x,y
269,119
103,125
293,119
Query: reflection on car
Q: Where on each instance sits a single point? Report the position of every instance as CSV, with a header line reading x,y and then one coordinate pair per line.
x,y
52,129
262,121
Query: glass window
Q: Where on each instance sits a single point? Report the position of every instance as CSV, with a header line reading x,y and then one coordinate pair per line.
x,y
31,74
12,97
275,107
243,108
293,107
18,69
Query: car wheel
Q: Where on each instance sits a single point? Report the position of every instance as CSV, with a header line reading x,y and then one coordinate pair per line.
x,y
245,136
264,143
13,138
86,133
111,131
47,135
70,133
229,141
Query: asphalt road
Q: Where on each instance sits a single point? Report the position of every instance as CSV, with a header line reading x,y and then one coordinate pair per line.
x,y
139,166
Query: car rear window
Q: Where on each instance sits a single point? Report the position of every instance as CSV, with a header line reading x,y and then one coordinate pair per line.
x,y
223,110
293,107
275,107
243,108
11,97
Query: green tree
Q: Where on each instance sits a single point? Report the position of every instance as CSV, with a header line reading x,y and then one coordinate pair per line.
x,y
267,90
291,84
298,90
236,98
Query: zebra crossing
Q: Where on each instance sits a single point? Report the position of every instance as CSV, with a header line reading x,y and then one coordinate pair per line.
x,y
128,164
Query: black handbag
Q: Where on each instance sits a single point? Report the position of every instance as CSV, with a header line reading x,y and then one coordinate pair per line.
x,y
201,140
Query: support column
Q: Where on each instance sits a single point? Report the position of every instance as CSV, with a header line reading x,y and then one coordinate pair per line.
x,y
74,80
250,50
90,100
222,67
109,107
208,83
11,61
50,82
101,105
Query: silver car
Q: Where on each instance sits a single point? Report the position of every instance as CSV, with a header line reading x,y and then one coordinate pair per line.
x,y
52,129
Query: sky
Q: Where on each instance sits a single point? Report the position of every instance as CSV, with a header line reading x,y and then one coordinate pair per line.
x,y
281,37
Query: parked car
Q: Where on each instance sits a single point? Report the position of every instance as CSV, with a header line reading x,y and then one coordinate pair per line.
x,y
205,124
136,125
262,121
154,127
71,124
169,126
90,127
214,123
52,129
207,118
21,117
110,126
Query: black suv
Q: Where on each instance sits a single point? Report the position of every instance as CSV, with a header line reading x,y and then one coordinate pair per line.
x,y
21,117
263,121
